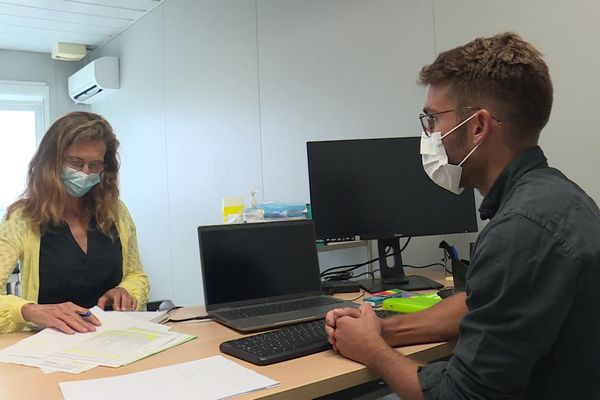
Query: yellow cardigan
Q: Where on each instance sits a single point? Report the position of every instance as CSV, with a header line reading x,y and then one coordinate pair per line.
x,y
20,241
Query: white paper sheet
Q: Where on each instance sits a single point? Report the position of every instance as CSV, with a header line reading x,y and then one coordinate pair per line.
x,y
119,341
209,378
149,316
113,348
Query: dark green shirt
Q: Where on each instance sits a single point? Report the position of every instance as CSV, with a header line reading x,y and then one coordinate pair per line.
x,y
532,330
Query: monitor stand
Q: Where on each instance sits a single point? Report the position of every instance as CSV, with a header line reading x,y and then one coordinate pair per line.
x,y
392,276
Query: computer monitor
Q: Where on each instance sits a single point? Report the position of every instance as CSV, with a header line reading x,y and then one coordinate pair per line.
x,y
377,189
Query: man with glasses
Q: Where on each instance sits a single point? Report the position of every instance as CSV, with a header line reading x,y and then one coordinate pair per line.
x,y
526,327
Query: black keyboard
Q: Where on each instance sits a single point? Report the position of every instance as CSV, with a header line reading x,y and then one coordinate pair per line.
x,y
280,345
283,344
275,308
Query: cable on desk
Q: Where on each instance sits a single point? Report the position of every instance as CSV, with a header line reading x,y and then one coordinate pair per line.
x,y
349,268
405,244
352,267
362,293
365,273
345,274
428,265
197,318
421,266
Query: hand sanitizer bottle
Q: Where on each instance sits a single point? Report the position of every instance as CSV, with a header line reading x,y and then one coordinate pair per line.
x,y
253,213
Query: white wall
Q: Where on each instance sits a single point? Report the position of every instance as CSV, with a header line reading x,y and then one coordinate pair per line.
x,y
219,97
335,70
187,118
39,67
566,32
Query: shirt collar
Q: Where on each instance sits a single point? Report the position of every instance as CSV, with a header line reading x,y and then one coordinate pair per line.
x,y
532,158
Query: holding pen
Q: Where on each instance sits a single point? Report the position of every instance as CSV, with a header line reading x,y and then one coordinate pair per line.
x,y
90,321
66,317
89,317
85,314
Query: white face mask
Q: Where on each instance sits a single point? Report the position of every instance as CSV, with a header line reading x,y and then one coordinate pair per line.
x,y
435,160
78,183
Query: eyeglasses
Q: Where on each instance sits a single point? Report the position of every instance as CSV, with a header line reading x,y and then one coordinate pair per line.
x,y
79,164
429,121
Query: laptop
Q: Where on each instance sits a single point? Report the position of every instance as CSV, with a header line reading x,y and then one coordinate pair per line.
x,y
260,276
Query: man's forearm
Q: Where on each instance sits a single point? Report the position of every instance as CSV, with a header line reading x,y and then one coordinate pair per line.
x,y
398,371
439,323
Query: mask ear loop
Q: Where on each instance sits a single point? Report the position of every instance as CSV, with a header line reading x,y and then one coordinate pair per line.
x,y
469,154
459,125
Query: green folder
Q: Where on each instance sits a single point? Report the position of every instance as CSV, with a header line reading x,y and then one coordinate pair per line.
x,y
408,305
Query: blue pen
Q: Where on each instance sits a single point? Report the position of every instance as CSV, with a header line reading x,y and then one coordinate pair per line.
x,y
86,314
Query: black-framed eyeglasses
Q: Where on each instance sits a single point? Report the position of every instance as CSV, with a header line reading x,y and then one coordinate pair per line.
x,y
79,164
429,120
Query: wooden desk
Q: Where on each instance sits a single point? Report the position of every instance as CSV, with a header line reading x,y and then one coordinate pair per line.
x,y
302,378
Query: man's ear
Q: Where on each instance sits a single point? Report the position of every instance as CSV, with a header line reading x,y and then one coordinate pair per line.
x,y
482,126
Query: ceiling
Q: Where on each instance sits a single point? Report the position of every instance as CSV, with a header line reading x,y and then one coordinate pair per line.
x,y
36,25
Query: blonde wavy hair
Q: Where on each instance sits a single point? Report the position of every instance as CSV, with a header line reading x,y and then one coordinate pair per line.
x,y
44,199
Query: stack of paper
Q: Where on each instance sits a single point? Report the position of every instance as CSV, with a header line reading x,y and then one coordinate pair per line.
x,y
119,341
192,314
160,317
209,378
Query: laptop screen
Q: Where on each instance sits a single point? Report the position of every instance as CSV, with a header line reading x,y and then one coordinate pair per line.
x,y
243,262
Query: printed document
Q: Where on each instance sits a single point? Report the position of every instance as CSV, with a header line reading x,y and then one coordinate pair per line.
x,y
208,378
119,341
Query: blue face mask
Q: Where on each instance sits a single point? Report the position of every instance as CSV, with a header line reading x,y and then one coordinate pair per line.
x,y
78,183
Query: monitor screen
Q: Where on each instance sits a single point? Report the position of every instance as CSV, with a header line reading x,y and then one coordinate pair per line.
x,y
377,188
244,262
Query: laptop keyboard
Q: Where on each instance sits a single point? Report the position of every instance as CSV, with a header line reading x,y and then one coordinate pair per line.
x,y
276,308
284,344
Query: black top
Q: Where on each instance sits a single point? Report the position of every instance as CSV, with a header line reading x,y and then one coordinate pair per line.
x,y
532,330
68,274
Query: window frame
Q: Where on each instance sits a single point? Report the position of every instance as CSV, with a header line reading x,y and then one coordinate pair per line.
x,y
30,96
27,96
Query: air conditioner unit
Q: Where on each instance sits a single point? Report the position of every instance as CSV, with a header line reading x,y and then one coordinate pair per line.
x,y
94,81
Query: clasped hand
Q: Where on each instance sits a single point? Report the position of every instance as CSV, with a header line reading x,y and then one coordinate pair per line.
x,y
354,333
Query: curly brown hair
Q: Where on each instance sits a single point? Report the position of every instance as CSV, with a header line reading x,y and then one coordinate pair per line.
x,y
502,71
44,199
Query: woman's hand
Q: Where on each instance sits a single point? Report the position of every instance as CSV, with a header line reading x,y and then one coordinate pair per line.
x,y
119,299
66,317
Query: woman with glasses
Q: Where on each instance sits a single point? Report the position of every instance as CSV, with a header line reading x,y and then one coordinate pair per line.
x,y
74,239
